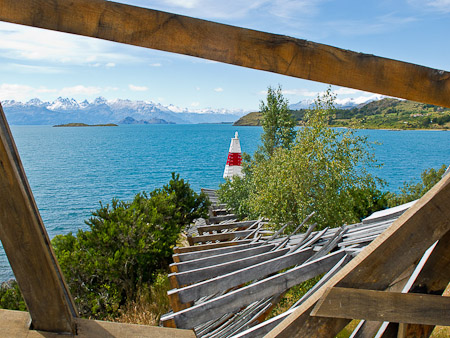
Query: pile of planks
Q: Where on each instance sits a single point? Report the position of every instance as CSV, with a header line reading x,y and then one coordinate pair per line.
x,y
234,272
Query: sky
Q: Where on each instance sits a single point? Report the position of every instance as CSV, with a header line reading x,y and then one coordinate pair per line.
x,y
36,63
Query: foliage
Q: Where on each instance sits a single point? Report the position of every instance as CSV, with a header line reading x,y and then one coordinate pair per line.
x,y
126,244
412,191
277,122
10,296
324,171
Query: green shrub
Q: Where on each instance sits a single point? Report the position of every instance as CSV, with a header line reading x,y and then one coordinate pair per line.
x,y
127,242
10,296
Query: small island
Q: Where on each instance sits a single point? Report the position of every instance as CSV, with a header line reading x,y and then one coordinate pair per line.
x,y
86,125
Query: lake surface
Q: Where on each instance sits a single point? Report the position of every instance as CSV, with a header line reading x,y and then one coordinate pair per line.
x,y
71,169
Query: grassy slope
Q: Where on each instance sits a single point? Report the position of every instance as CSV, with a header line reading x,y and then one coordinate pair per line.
x,y
382,114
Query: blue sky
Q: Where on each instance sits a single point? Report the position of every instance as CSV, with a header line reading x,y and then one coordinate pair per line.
x,y
45,64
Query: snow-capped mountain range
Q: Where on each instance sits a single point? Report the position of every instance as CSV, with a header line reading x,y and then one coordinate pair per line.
x,y
68,110
342,103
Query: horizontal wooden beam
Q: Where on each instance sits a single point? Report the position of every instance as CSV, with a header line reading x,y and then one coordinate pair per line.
x,y
28,246
226,236
386,306
15,324
234,45
380,263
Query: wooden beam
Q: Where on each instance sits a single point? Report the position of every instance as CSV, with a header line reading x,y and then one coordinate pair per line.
x,y
432,279
238,46
374,305
400,246
14,324
27,245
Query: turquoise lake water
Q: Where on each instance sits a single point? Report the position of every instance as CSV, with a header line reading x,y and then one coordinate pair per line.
x,y
71,169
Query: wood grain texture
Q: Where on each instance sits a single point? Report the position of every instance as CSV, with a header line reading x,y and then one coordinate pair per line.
x,y
387,306
27,245
400,246
15,324
201,247
238,46
244,296
235,278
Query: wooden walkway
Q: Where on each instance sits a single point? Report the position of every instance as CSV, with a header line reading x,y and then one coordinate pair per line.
x,y
228,284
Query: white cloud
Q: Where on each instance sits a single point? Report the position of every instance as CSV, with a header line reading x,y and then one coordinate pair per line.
x,y
218,90
33,69
195,104
442,6
301,92
156,64
137,88
110,65
80,90
34,44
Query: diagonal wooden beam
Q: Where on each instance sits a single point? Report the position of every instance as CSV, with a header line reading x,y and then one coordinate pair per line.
x,y
28,247
393,307
234,45
400,246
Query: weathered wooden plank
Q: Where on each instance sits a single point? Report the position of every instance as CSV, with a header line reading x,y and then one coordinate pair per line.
x,y
218,219
402,244
226,226
238,46
432,279
196,248
227,236
234,300
222,258
195,276
185,257
27,245
15,324
235,278
384,306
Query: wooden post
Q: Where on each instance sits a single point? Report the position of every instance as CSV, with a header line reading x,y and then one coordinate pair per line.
x,y
380,263
28,247
234,45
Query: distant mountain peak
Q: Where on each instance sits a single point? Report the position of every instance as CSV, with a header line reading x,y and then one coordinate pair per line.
x,y
64,110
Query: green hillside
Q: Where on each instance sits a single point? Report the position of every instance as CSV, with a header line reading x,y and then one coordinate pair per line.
x,y
383,114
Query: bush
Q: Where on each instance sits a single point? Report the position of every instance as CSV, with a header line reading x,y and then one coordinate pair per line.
x,y
10,296
126,244
324,171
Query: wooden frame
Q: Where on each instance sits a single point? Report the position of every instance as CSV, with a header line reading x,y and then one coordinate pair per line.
x,y
24,237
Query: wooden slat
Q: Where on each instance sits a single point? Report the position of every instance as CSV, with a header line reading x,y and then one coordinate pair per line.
x,y
27,245
185,257
227,236
402,244
238,46
235,278
235,300
222,258
219,227
196,248
194,276
384,306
